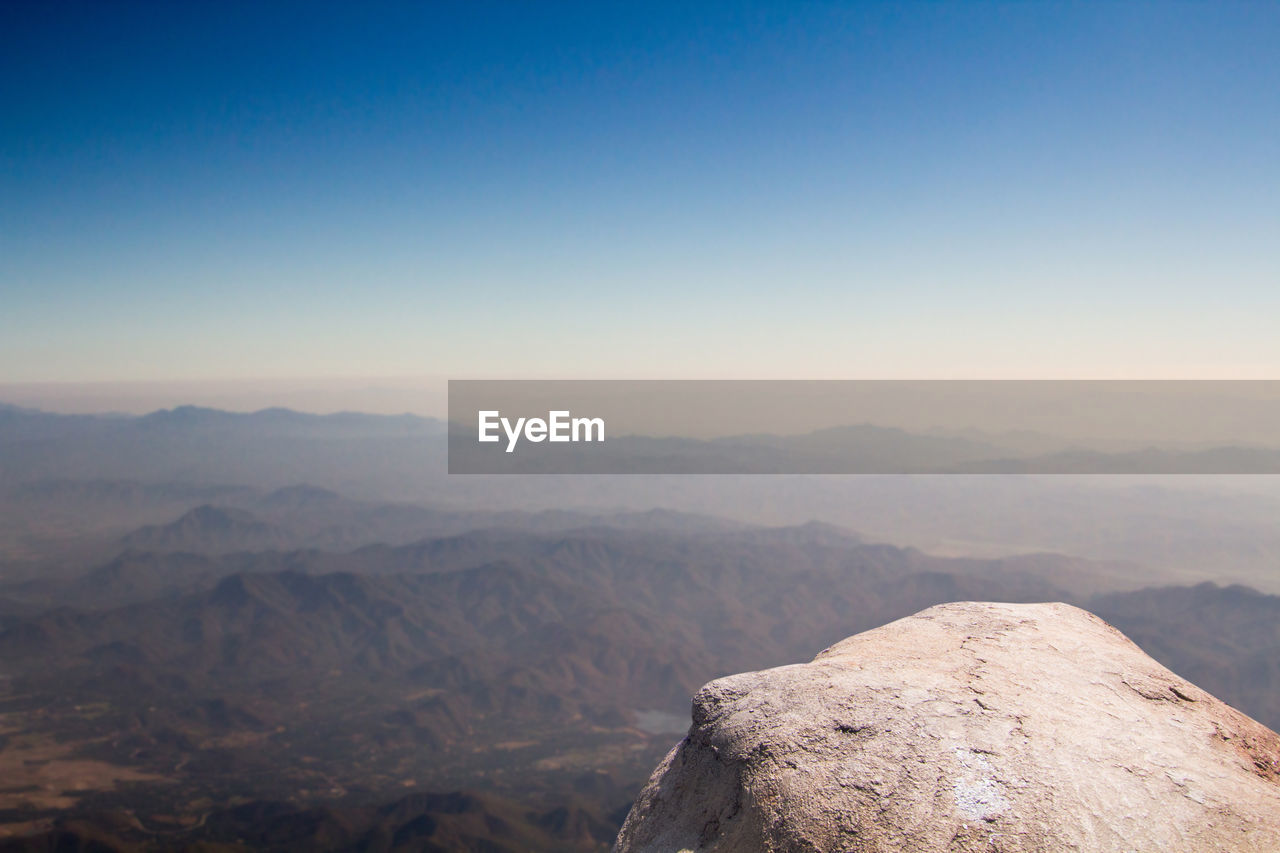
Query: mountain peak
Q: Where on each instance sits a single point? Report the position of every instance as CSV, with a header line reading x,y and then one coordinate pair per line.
x,y
963,727
301,496
208,529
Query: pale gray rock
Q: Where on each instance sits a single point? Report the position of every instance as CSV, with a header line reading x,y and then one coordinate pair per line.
x,y
967,727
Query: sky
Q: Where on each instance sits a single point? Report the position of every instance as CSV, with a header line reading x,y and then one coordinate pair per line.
x,y
279,195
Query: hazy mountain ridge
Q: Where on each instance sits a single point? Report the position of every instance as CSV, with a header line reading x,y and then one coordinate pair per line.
x,y
1180,529
269,446
265,449
859,449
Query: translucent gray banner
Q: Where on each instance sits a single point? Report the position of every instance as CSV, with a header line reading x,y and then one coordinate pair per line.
x,y
863,427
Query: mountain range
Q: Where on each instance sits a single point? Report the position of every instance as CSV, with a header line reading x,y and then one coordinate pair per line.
x,y
510,661
209,642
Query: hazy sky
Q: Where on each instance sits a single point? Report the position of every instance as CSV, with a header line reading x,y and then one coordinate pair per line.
x,y
238,191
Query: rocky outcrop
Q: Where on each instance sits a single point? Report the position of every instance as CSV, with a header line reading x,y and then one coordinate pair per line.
x,y
967,727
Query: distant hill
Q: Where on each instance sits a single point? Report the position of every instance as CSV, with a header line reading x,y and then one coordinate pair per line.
x,y
301,498
266,449
210,529
309,517
56,514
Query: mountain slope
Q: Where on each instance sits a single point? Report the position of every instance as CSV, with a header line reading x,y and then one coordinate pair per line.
x,y
210,529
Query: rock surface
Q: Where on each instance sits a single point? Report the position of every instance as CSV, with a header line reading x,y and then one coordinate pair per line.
x,y
969,726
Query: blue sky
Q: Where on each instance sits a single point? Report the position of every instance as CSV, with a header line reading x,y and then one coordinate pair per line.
x,y
239,191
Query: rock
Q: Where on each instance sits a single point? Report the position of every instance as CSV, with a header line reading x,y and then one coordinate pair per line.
x,y
969,726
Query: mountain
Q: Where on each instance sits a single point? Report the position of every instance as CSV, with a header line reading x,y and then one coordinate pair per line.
x,y
509,661
209,529
267,449
1171,530
303,498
